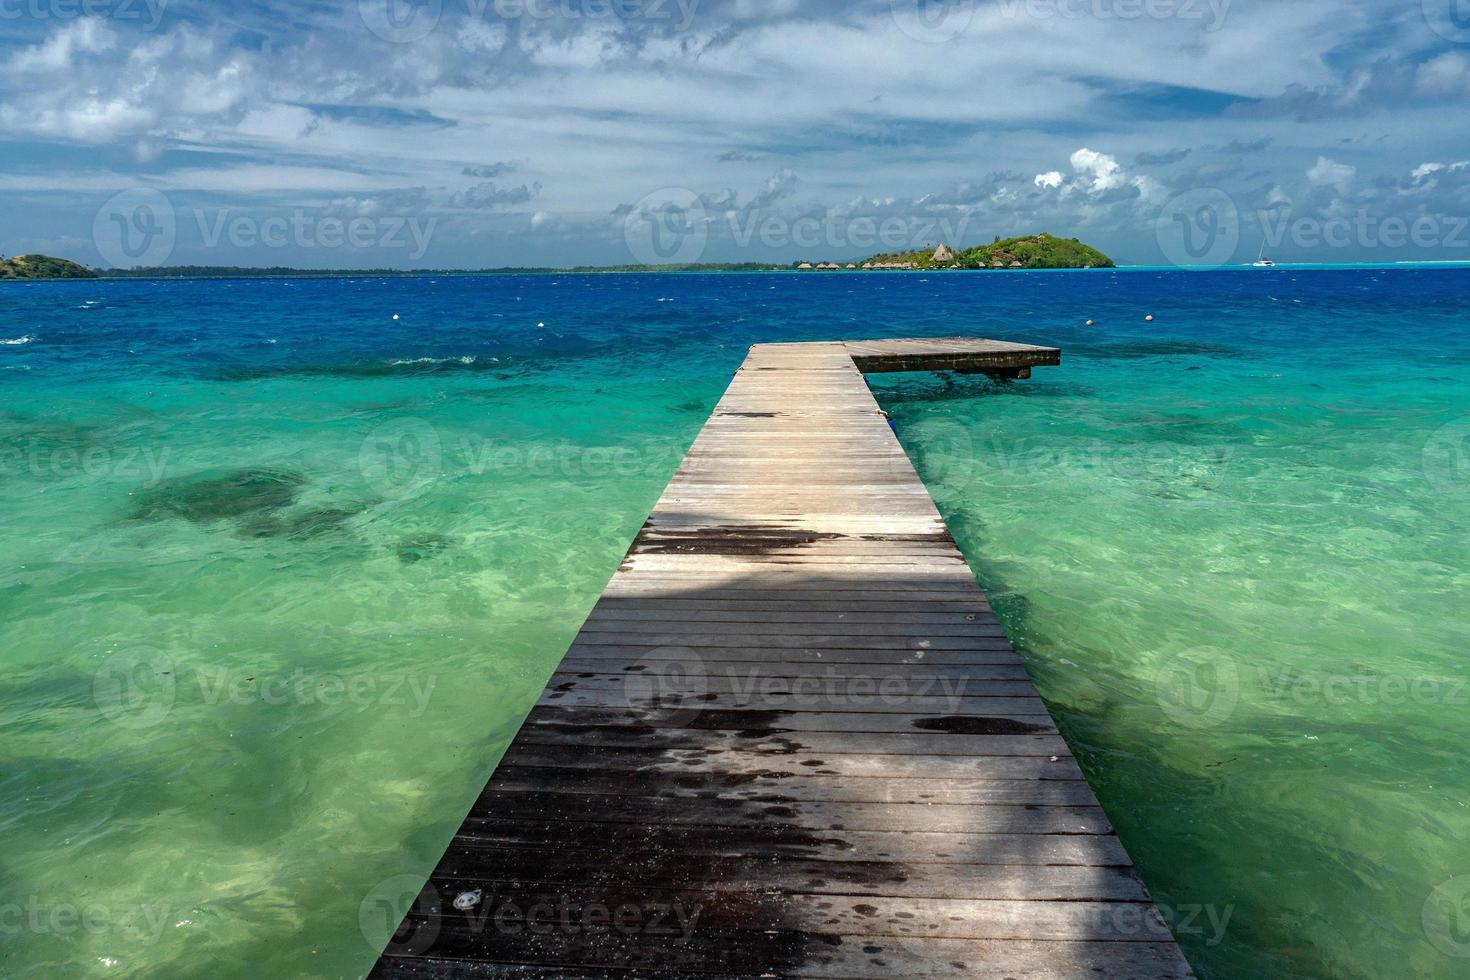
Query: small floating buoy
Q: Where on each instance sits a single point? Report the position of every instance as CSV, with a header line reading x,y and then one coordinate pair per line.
x,y
395,316
465,901
540,326
1089,323
1149,318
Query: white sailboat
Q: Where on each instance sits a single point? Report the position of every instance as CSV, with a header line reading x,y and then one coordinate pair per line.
x,y
1261,261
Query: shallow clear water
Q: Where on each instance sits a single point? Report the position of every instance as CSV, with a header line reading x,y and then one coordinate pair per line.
x,y
279,576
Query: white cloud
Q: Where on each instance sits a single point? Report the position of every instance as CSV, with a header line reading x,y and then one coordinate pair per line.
x,y
1328,173
1448,74
89,35
1052,179
163,83
1103,170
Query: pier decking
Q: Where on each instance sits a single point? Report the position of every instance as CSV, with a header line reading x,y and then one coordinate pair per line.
x,y
791,739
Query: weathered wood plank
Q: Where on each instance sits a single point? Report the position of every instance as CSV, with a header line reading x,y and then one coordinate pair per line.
x,y
777,786
495,807
775,841
1027,718
728,761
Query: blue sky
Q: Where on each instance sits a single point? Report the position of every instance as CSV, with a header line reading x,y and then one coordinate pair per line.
x,y
482,133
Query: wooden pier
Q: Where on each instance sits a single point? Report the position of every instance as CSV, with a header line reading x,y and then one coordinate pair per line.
x,y
791,739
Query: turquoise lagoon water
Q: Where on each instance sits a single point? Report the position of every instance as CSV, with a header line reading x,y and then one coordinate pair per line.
x,y
280,575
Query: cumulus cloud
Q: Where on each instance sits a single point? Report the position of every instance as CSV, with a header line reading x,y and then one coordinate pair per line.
x,y
396,201
1103,171
1051,179
88,35
163,83
1328,173
490,195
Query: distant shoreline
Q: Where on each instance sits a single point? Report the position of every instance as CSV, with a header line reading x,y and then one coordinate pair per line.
x,y
239,274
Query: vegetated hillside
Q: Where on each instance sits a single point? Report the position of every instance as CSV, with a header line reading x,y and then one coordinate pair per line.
x,y
43,267
1029,251
1035,252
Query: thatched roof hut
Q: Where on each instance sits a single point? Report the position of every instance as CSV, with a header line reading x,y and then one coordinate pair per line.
x,y
943,254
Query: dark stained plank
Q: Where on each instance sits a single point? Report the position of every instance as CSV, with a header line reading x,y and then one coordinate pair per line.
x,y
1027,717
780,786
735,761
780,841
792,738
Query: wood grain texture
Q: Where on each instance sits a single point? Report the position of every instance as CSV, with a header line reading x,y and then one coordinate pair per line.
x,y
791,739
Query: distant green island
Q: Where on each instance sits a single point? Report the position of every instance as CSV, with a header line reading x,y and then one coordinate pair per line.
x,y
43,267
1025,252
